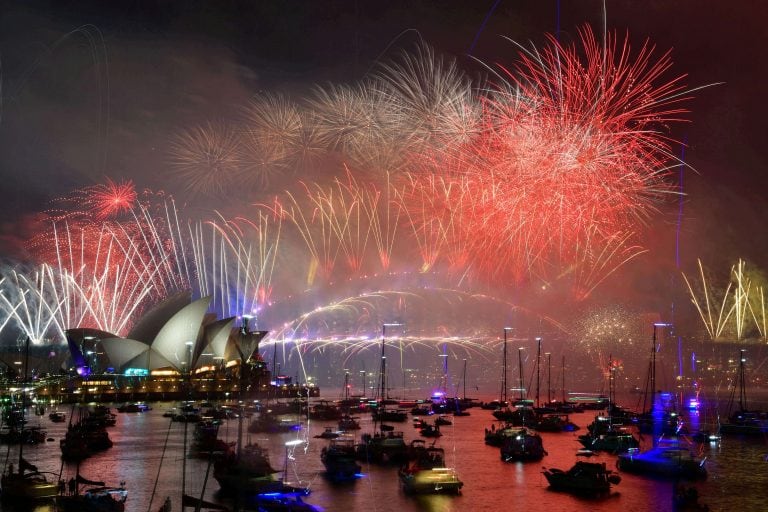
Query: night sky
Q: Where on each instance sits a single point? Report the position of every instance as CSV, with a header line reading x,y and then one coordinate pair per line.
x,y
97,89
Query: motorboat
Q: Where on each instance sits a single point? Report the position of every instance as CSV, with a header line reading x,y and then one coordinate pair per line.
x,y
96,498
430,431
57,416
282,502
555,422
268,422
26,484
135,407
348,422
669,459
495,436
523,445
382,448
589,478
339,459
328,433
517,416
425,472
324,410
613,441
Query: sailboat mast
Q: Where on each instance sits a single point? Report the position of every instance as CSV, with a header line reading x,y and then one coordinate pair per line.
x,y
742,384
346,388
563,390
464,378
24,400
383,370
549,377
653,370
520,366
504,387
538,370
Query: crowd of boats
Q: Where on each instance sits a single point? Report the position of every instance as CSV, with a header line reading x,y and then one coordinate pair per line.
x,y
244,472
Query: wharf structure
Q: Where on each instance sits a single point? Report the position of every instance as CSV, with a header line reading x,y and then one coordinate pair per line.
x,y
176,351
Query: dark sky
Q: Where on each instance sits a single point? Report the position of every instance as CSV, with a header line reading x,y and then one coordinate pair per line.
x,y
94,88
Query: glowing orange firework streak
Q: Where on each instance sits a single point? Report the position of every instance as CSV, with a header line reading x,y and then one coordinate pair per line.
x,y
316,232
451,208
422,209
714,326
340,207
383,216
595,261
743,302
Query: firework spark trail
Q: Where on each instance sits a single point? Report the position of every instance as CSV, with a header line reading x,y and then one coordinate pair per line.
x,y
563,151
107,270
26,301
420,208
235,272
600,260
436,101
313,230
383,216
546,173
340,209
740,302
106,289
206,159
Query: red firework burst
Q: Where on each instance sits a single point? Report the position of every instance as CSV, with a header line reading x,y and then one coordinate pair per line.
x,y
574,150
109,199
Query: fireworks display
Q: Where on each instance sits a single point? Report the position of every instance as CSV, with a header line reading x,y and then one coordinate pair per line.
x,y
734,312
543,172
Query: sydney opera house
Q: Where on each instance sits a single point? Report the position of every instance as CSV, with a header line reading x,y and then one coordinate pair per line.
x,y
177,350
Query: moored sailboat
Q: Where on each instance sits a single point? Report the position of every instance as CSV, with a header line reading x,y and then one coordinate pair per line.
x,y
27,483
744,421
587,478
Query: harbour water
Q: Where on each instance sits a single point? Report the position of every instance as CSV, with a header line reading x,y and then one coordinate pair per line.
x,y
141,457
